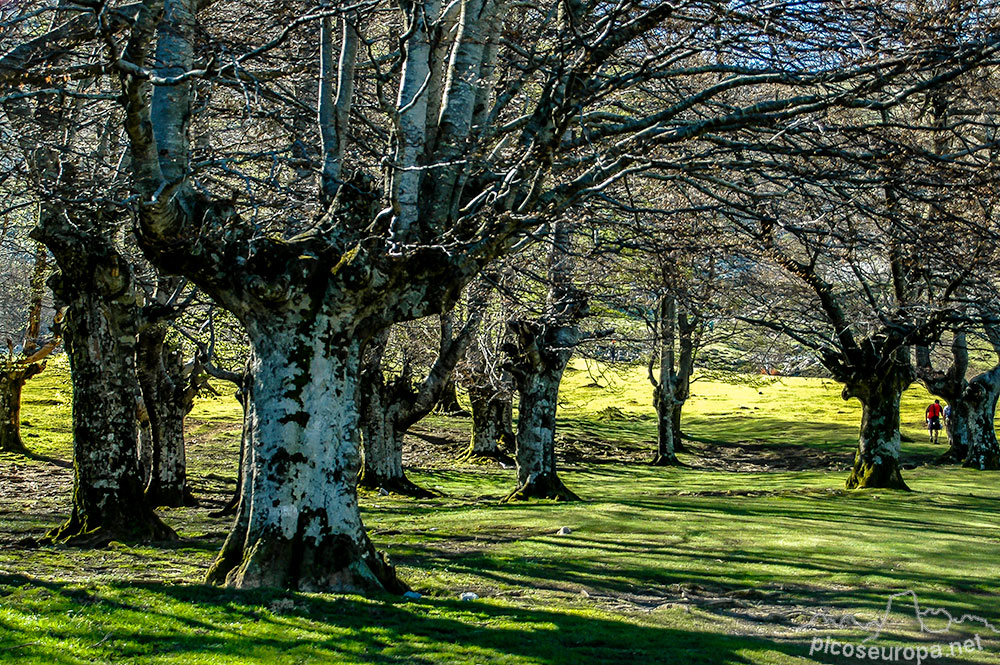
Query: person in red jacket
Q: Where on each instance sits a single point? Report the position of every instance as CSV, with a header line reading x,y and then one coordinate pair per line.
x,y
933,419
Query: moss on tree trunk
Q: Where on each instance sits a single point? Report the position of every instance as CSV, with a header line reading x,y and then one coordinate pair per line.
x,y
12,379
876,462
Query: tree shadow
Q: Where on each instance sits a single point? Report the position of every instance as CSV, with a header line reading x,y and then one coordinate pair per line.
x,y
197,624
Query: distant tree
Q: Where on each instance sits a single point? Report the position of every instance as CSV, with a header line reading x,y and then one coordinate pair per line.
x,y
390,408
970,425
503,118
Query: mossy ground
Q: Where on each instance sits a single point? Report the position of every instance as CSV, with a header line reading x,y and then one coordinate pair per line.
x,y
726,560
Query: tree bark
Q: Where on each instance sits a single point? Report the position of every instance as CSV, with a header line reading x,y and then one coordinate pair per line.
x,y
242,383
299,526
950,385
383,408
492,426
449,404
675,420
13,376
538,389
539,352
100,328
666,386
160,372
979,406
876,462
666,409
17,369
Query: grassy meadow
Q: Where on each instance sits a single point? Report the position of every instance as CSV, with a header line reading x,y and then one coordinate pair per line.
x,y
751,553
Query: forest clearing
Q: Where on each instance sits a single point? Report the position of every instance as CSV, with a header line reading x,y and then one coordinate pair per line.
x,y
726,560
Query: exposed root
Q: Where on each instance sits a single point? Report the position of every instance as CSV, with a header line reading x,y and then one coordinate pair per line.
x,y
983,461
481,457
666,460
547,486
397,485
145,527
335,565
869,475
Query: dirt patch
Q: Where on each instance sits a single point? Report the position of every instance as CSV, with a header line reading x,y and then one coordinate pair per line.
x,y
37,493
435,447
760,457
580,450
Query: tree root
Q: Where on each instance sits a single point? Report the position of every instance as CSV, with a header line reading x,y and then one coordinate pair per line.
x,y
401,485
480,457
882,476
666,460
135,529
547,486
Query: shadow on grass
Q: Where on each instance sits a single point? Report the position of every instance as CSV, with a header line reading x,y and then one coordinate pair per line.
x,y
194,624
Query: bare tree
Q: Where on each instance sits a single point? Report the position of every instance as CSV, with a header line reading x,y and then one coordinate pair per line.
x,y
416,190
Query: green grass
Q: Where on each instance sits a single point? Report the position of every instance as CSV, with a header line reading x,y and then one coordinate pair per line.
x,y
709,563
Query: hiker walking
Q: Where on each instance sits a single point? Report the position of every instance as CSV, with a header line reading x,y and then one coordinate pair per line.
x,y
933,419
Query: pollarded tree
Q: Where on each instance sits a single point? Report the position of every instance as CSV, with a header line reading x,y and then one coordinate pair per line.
x,y
474,150
970,425
540,349
390,408
845,259
18,365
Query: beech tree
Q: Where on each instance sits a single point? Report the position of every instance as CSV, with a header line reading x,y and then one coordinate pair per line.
x,y
502,118
390,408
488,382
845,268
18,365
971,431
539,350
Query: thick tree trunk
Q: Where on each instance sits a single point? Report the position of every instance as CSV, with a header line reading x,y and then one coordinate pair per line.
x,y
449,403
876,462
382,430
299,526
12,379
979,413
161,379
492,426
383,445
538,390
675,420
666,408
540,350
108,500
951,386
957,428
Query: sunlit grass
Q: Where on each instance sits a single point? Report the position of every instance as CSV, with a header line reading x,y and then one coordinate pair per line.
x,y
662,565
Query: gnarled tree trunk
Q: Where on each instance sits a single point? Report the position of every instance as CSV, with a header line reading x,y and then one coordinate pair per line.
x,y
383,410
539,352
13,375
95,284
160,372
950,385
876,462
537,377
391,408
492,425
18,368
299,526
979,406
